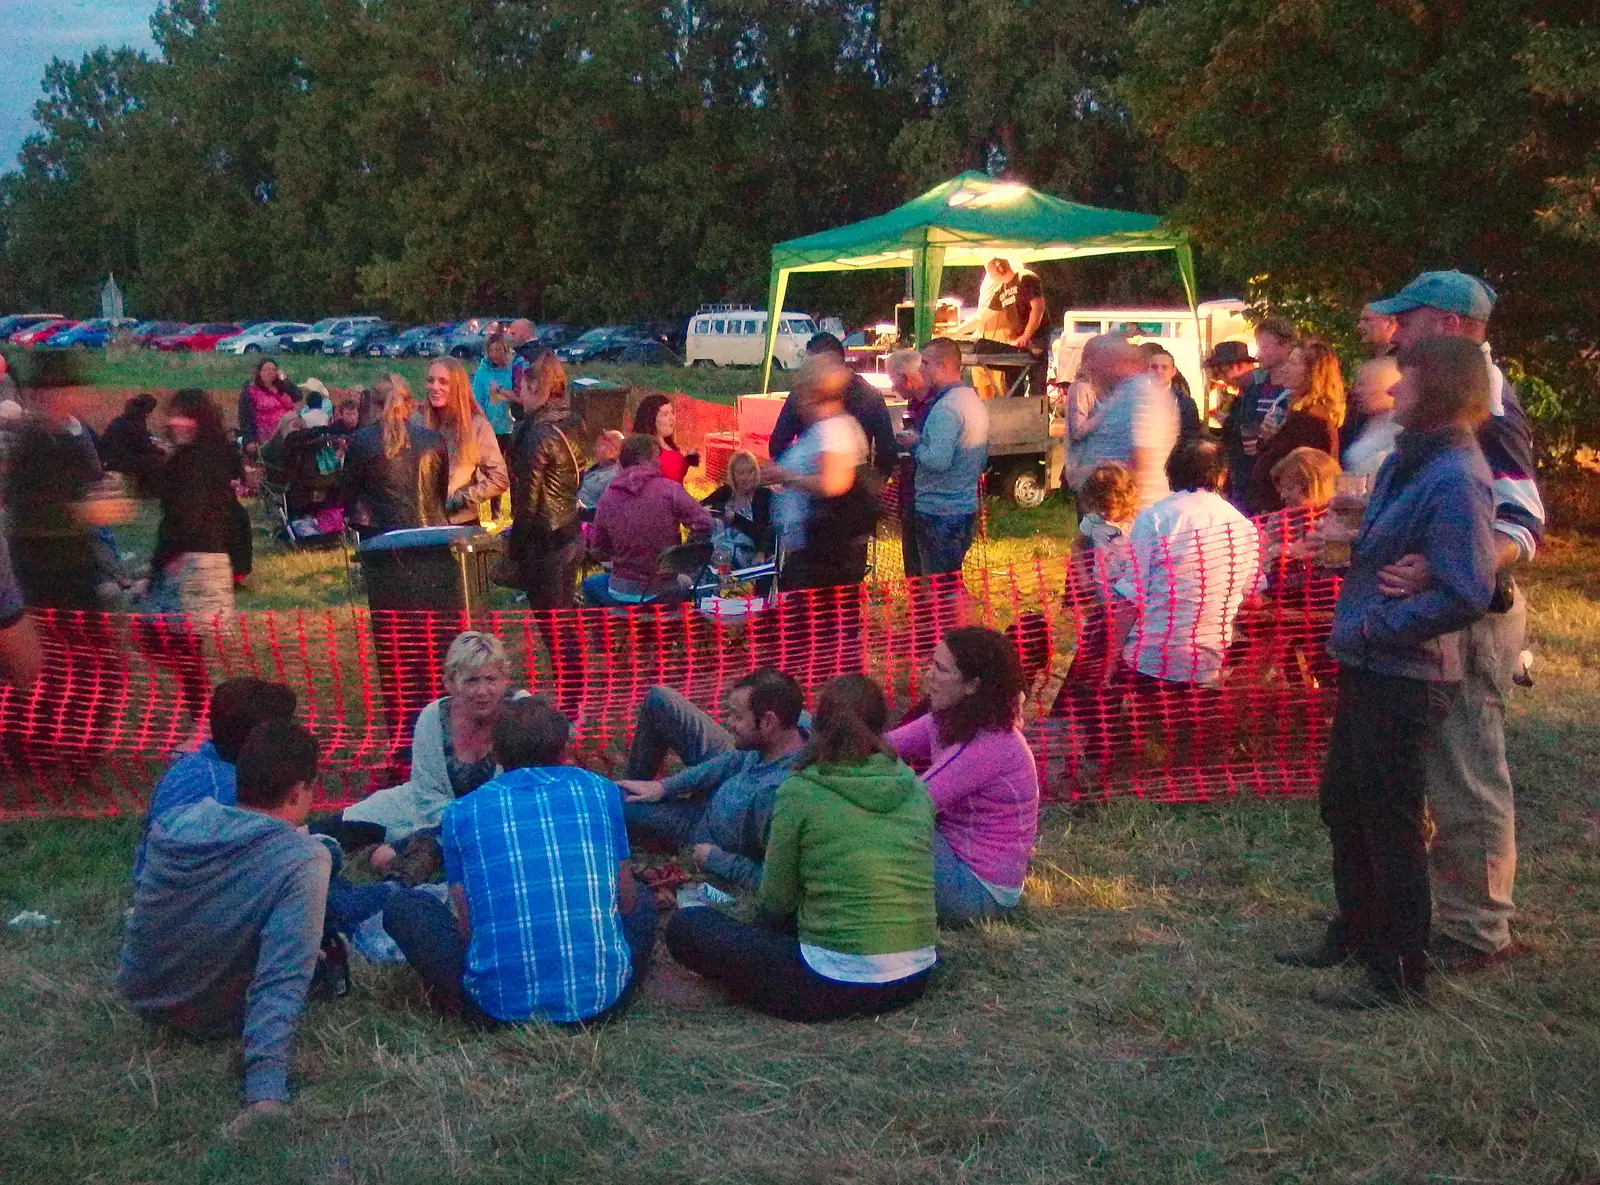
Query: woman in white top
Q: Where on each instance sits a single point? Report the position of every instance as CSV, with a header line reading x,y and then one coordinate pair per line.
x,y
823,532
1373,398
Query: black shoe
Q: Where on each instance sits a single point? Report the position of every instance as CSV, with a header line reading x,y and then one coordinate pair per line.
x,y
1454,956
1319,954
1364,997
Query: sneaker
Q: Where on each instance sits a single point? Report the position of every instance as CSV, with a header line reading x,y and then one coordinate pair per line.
x,y
1454,956
1364,997
1318,954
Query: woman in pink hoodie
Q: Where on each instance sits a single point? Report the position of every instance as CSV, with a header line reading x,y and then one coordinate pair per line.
x,y
979,772
638,518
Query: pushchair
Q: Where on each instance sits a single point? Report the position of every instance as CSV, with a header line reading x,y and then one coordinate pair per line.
x,y
300,487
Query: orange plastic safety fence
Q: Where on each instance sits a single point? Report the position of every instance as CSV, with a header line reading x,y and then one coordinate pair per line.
x,y
1222,685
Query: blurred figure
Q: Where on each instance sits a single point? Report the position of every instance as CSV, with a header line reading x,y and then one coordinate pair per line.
x,y
1372,396
127,446
862,401
1135,422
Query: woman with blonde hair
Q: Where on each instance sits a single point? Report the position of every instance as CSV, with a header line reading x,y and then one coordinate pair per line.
x,y
395,468
477,470
742,509
1312,411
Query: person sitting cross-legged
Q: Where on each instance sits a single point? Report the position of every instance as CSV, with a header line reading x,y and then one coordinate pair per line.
x,y
237,706
228,912
849,864
979,772
545,921
721,803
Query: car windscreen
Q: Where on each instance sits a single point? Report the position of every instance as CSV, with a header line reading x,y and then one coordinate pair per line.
x,y
325,324
595,336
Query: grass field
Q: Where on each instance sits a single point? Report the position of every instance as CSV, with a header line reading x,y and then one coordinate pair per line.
x,y
1127,1025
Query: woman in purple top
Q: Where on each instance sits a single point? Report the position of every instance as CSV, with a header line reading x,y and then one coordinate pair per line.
x,y
979,772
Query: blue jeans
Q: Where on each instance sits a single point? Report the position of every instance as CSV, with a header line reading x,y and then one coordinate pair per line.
x,y
425,931
958,894
943,541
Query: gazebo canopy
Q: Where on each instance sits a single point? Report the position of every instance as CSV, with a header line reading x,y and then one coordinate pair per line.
x,y
964,223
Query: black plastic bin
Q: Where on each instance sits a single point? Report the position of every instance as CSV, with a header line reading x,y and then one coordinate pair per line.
x,y
442,569
429,568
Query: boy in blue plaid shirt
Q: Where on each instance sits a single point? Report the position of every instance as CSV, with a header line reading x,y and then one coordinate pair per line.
x,y
544,920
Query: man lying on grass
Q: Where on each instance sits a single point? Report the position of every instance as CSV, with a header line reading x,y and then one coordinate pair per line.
x,y
228,911
544,920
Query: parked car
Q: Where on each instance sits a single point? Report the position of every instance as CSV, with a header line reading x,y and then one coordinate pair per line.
x,y
315,339
263,335
415,342
606,343
195,339
93,334
356,341
147,331
41,333
465,339
17,322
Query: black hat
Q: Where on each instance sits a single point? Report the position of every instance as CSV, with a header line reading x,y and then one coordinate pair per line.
x,y
1228,354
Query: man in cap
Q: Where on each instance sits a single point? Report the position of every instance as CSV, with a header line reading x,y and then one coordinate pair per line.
x,y
1473,860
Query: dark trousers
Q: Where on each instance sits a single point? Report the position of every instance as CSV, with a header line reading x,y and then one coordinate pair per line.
x,y
1373,790
819,627
550,578
425,931
762,969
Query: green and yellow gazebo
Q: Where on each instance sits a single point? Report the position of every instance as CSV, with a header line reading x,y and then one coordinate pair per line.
x,y
965,222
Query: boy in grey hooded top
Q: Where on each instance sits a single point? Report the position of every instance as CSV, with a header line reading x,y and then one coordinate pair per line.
x,y
228,911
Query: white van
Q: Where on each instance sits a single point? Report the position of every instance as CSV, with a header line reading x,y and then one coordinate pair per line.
x,y
1220,321
736,335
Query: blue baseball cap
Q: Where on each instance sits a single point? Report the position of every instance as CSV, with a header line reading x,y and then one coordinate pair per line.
x,y
1449,292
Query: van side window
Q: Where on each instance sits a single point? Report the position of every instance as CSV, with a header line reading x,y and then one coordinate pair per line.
x,y
718,326
750,327
1090,327
703,325
784,328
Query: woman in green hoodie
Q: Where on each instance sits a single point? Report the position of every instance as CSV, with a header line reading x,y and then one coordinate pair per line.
x,y
848,880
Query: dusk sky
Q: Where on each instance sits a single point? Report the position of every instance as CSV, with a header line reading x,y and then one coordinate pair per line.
x,y
36,31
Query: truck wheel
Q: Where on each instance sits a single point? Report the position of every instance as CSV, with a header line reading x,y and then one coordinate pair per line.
x,y
1025,485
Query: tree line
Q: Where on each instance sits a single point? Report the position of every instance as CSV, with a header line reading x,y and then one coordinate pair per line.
x,y
613,159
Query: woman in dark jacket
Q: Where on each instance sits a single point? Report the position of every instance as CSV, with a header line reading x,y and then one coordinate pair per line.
x,y
742,508
191,573
396,468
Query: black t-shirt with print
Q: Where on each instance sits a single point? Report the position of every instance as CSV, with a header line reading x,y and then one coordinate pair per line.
x,y
1015,300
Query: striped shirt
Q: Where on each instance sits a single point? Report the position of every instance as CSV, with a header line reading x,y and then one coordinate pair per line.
x,y
536,851
1507,445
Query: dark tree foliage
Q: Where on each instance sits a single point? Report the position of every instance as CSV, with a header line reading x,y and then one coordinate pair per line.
x,y
1333,148
591,160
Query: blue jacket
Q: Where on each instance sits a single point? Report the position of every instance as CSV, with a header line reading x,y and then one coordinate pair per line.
x,y
1433,497
952,452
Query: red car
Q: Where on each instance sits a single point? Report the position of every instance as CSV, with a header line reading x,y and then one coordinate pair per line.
x,y
38,335
193,338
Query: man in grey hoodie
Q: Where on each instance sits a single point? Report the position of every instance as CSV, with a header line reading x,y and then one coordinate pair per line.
x,y
228,911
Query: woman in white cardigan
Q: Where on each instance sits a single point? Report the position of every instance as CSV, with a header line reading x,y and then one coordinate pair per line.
x,y
452,750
